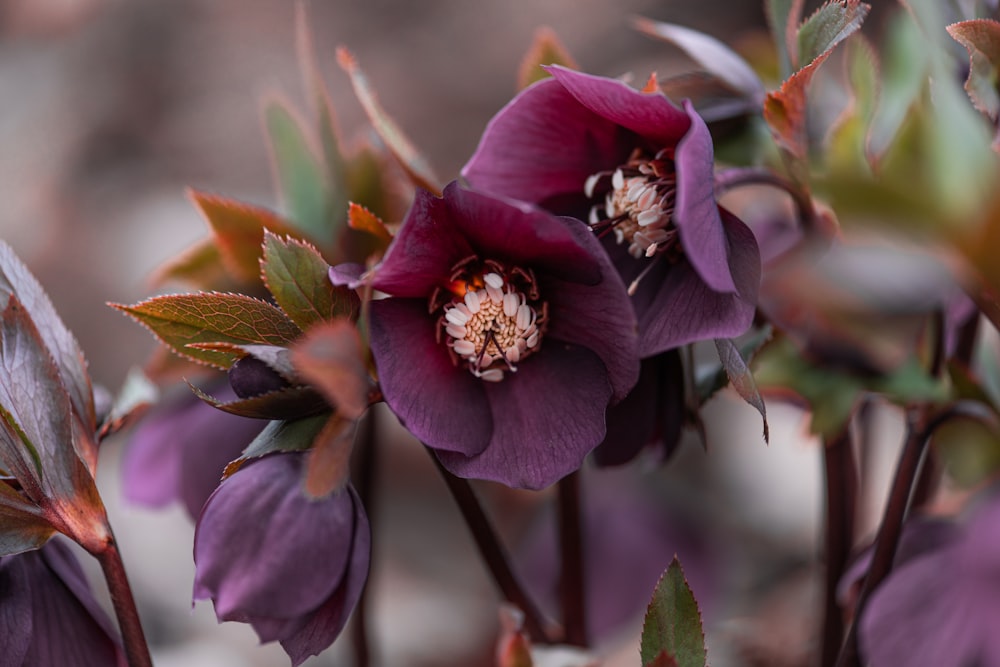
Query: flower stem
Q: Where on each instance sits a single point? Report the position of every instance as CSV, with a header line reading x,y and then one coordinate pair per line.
x,y
492,552
734,177
918,431
136,649
841,500
364,482
572,587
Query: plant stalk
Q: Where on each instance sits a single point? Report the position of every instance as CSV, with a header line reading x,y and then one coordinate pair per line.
x,y
572,582
841,502
136,649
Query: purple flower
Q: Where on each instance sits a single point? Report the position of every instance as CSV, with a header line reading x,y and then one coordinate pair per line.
x,y
640,171
180,450
940,607
508,334
48,615
290,566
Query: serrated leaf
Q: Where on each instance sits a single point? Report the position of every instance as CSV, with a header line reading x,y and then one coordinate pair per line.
x,y
672,627
58,341
138,392
301,177
829,25
713,55
330,357
741,378
981,38
209,317
849,138
298,278
783,18
290,403
785,112
412,162
328,464
281,436
238,231
22,525
361,219
546,49
200,266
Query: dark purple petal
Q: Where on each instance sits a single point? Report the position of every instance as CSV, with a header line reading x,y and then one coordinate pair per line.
x,y
181,449
650,115
653,411
262,548
546,418
697,214
440,403
523,235
543,145
423,252
16,619
326,623
347,274
684,310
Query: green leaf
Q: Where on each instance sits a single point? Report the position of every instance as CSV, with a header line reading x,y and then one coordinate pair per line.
x,y
829,25
783,17
848,141
330,357
209,317
299,279
58,341
238,232
546,49
970,449
672,628
741,378
412,162
281,436
981,38
301,176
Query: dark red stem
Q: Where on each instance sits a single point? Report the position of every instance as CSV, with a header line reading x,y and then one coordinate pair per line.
x,y
572,587
136,649
364,482
841,502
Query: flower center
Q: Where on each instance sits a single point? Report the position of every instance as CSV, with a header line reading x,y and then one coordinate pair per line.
x,y
494,318
638,204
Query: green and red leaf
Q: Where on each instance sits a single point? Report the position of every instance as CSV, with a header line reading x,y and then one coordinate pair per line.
x,y
981,38
289,403
22,525
361,219
330,356
829,25
328,466
672,631
546,49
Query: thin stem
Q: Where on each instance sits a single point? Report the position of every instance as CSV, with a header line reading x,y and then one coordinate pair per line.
x,y
136,649
734,177
841,500
492,552
572,586
364,482
919,427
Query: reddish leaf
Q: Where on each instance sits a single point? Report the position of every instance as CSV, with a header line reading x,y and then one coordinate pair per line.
x,y
238,231
672,626
360,218
328,463
829,25
741,378
981,37
290,403
330,356
22,525
298,278
785,111
545,49
399,145
200,266
513,646
208,317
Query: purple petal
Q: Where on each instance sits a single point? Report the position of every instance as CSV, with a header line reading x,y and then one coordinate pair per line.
x,y
650,115
543,145
347,274
16,619
425,249
697,213
440,403
326,623
262,548
541,430
684,310
523,235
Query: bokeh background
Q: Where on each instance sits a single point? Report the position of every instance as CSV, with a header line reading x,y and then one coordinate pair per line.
x,y
109,109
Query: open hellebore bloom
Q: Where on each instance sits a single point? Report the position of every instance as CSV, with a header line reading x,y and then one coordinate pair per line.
x,y
639,170
507,335
48,615
290,566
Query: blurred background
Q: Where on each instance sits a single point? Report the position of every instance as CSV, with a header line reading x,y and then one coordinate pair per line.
x,y
109,109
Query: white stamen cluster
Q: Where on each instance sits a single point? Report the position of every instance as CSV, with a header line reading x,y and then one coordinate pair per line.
x,y
492,328
639,208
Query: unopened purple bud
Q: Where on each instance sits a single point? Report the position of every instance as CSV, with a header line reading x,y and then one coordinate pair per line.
x,y
250,377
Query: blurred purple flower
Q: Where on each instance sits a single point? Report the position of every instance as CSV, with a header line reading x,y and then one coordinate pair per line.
x,y
508,334
48,615
290,566
640,170
179,451
940,607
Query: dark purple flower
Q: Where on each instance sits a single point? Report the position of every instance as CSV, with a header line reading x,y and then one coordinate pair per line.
x,y
291,566
179,451
508,334
640,171
940,607
48,615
